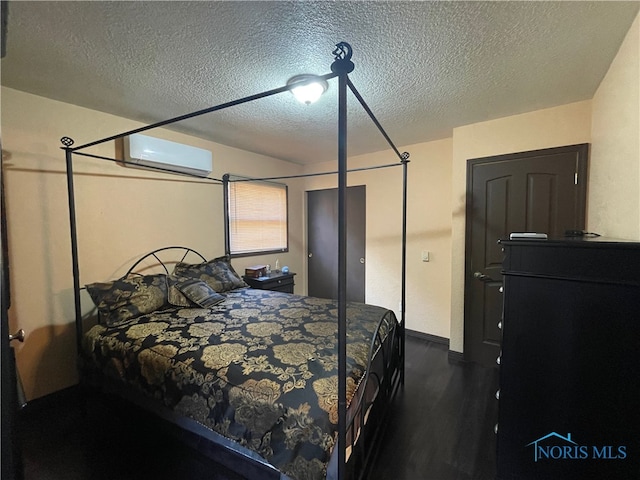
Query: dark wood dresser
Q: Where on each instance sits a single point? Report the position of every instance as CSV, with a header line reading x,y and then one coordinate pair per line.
x,y
569,398
278,281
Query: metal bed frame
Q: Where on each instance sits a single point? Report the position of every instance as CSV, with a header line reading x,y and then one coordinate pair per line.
x,y
340,69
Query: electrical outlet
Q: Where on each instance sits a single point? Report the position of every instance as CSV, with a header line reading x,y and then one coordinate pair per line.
x,y
425,255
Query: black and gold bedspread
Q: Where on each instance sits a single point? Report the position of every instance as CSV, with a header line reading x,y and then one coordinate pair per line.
x,y
259,368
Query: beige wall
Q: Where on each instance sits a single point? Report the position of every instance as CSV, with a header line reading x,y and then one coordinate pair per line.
x,y
553,127
614,188
121,214
428,228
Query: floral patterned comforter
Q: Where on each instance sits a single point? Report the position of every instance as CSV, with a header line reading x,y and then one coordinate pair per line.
x,y
259,368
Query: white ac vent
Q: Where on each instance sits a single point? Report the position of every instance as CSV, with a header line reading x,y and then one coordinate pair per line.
x,y
142,150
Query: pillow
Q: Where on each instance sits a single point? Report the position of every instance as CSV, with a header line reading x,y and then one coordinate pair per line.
x,y
217,273
175,295
128,298
199,293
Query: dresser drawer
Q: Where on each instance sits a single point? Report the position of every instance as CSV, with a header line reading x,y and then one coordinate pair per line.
x,y
280,282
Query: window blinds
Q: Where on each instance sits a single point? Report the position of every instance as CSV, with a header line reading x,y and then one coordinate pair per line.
x,y
257,217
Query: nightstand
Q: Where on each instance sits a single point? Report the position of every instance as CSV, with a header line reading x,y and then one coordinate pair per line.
x,y
280,282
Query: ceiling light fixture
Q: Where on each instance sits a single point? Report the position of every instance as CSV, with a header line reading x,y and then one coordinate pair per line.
x,y
310,89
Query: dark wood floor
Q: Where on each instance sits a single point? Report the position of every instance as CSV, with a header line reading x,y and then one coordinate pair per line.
x,y
442,426
441,429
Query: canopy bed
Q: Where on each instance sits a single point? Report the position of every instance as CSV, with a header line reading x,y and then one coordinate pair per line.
x,y
296,387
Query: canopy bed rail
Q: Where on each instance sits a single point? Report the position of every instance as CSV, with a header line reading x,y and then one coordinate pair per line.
x,y
187,116
391,377
145,167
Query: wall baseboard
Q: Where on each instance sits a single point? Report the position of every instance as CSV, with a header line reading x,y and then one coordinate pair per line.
x,y
454,357
427,336
52,401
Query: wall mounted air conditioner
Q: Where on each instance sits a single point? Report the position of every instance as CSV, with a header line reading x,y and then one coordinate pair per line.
x,y
142,150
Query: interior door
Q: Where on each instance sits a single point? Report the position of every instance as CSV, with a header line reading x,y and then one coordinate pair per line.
x,y
11,461
540,191
322,241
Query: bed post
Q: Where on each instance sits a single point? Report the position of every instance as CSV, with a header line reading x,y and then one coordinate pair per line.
x,y
405,163
225,194
342,66
68,142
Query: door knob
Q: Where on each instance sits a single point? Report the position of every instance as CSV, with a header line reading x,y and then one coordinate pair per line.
x,y
19,335
310,255
482,277
361,259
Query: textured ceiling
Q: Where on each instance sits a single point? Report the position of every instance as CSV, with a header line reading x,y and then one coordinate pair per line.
x,y
423,67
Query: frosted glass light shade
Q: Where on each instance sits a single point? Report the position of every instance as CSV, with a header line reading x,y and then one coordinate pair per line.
x,y
310,89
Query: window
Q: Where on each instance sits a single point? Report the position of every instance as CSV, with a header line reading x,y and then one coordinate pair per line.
x,y
256,216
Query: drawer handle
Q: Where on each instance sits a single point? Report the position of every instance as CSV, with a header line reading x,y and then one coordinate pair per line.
x,y
498,394
495,429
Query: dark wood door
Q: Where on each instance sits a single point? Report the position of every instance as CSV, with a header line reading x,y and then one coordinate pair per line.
x,y
322,241
540,191
11,462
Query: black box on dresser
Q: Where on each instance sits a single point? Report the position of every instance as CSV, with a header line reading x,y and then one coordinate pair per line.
x,y
569,398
